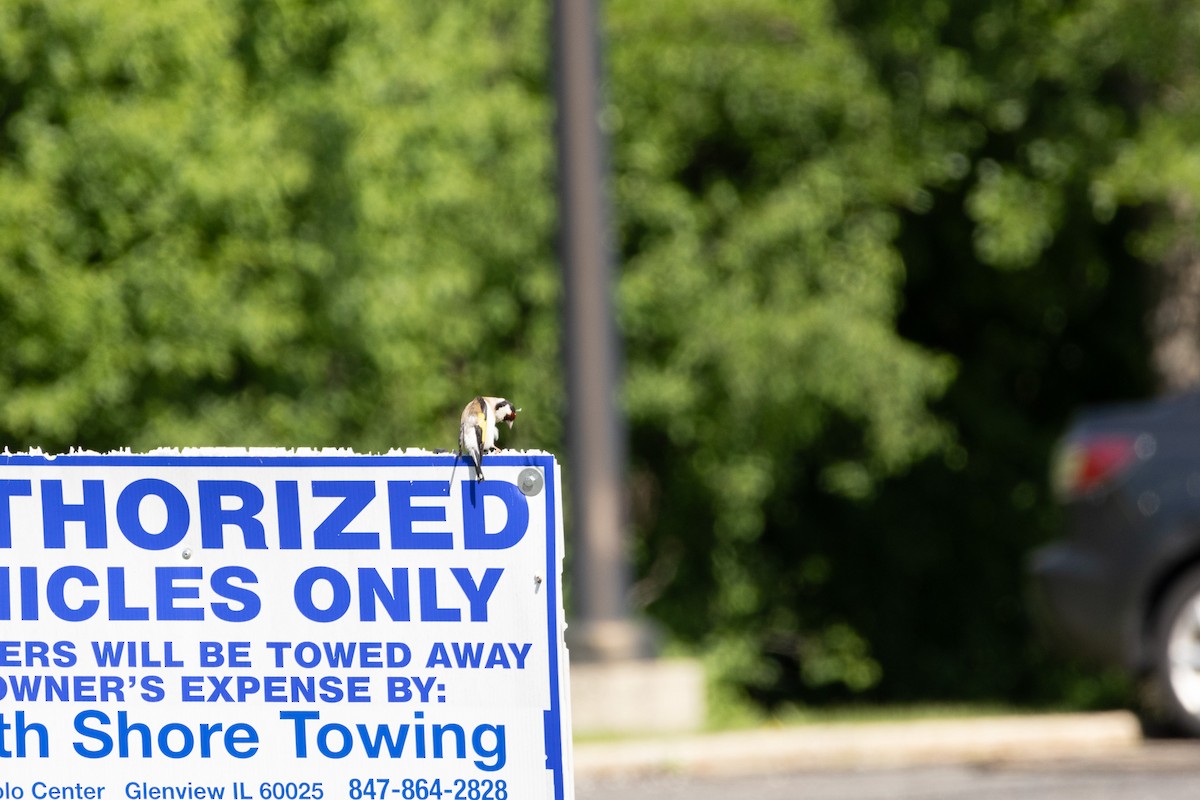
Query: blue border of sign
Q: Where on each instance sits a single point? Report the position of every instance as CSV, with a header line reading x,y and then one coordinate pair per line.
x,y
552,717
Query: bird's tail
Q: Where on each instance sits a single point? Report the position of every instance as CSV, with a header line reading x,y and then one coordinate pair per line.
x,y
474,464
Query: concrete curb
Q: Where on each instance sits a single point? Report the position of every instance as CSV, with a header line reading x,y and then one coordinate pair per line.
x,y
872,745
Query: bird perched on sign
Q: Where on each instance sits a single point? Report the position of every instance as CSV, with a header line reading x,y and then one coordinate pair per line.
x,y
479,429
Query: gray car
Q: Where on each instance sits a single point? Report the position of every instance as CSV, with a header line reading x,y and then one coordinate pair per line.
x,y
1122,586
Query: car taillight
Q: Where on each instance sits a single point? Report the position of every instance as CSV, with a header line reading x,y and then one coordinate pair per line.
x,y
1086,463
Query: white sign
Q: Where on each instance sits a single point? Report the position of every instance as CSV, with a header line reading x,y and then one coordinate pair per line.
x,y
263,625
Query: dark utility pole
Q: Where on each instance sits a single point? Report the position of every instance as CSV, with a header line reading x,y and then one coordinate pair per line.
x,y
600,627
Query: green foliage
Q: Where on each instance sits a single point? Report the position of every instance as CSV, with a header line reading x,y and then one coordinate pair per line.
x,y
1021,267
758,188
271,223
962,161
872,254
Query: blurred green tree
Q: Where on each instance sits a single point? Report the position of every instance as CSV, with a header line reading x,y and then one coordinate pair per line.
x,y
760,181
872,256
983,169
1023,262
301,223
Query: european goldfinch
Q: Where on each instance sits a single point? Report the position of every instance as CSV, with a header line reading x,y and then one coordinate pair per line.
x,y
479,430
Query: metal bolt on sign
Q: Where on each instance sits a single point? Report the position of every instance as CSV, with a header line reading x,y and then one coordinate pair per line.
x,y
530,482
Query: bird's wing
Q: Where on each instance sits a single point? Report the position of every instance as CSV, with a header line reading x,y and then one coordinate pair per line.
x,y
488,423
470,418
470,437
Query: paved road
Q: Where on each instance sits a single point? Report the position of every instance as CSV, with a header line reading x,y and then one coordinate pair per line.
x,y
1155,771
